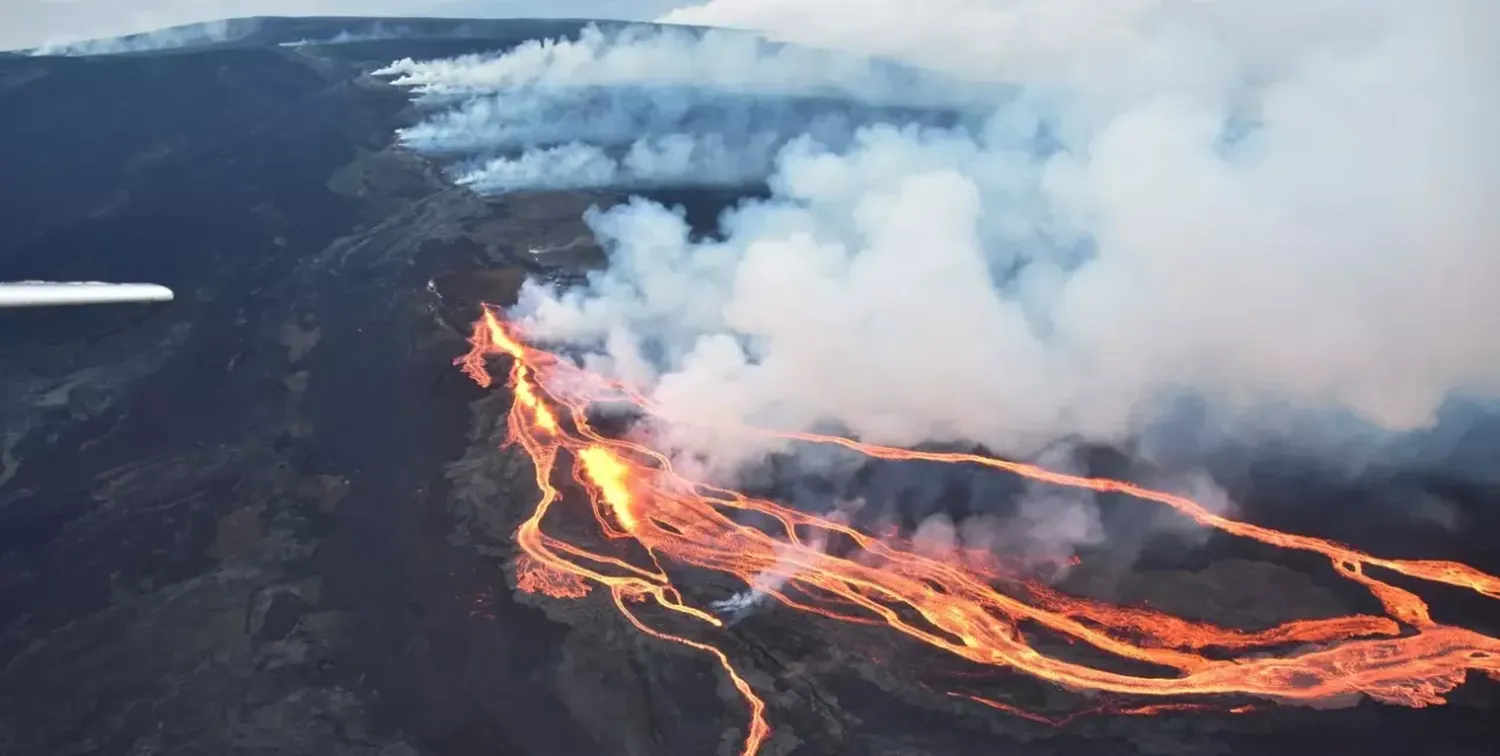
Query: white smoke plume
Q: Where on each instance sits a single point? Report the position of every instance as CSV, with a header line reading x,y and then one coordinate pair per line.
x,y
1050,522
675,159
375,32
1282,209
176,37
1262,203
645,106
723,60
774,579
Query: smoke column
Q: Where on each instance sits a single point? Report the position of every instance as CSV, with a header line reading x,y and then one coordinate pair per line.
x,y
1283,210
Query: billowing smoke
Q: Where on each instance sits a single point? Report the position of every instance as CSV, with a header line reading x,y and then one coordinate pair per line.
x,y
645,106
1281,213
176,37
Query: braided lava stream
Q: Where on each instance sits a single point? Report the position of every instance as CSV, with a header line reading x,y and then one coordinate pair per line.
x,y
641,504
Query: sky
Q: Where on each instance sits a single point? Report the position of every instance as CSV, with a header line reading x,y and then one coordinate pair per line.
x,y
30,23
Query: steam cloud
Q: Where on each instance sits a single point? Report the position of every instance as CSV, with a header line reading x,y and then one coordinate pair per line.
x,y
189,35
657,107
1282,209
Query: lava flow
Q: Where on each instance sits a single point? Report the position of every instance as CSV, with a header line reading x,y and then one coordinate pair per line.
x,y
639,502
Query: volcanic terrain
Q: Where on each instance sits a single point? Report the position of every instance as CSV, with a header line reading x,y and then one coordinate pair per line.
x,y
274,517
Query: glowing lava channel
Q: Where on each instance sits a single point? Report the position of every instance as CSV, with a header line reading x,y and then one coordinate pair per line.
x,y
1404,658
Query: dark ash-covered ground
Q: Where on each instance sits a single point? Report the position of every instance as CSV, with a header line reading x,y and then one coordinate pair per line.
x,y
270,517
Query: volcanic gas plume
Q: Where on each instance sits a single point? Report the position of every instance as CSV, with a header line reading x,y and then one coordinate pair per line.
x,y
1087,217
639,500
998,225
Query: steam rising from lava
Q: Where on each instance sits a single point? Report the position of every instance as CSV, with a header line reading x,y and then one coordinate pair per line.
x,y
650,517
1283,209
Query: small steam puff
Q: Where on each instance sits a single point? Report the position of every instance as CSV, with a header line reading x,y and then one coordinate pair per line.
x,y
373,33
792,563
1042,535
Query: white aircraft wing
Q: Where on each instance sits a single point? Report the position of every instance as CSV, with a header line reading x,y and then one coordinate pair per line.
x,y
58,293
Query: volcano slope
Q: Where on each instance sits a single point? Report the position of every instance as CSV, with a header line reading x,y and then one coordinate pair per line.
x,y
272,517
223,519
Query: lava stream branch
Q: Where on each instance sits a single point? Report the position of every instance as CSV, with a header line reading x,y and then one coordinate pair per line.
x,y
636,497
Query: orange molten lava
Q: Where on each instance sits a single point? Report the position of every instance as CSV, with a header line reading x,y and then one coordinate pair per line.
x,y
657,517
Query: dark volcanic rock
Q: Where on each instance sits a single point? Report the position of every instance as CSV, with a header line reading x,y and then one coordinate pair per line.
x,y
222,518
270,517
